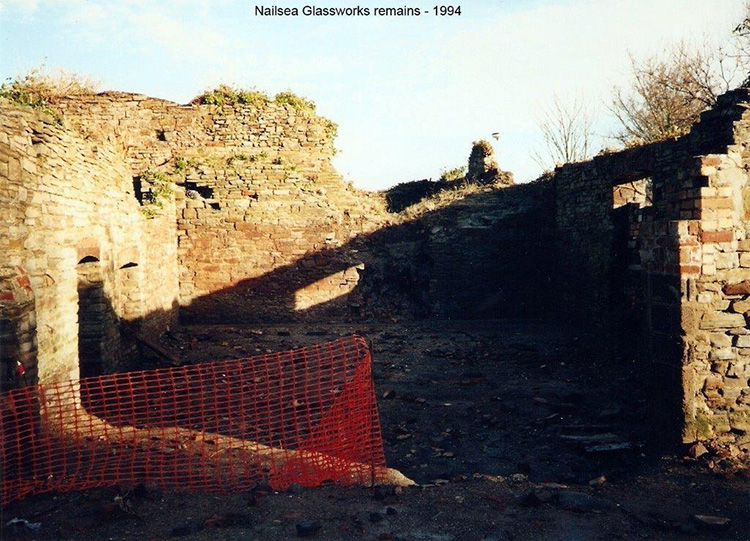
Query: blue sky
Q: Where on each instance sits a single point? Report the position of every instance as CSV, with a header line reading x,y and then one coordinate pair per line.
x,y
409,94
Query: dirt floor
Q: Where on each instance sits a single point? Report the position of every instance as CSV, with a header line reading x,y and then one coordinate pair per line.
x,y
512,430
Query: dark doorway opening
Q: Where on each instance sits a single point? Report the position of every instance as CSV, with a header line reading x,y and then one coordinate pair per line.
x,y
92,309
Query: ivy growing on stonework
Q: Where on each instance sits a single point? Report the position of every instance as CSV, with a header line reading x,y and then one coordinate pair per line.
x,y
159,190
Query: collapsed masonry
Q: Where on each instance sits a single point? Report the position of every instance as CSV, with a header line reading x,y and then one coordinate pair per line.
x,y
136,211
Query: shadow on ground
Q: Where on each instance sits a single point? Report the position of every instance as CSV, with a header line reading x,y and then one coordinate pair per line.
x,y
514,430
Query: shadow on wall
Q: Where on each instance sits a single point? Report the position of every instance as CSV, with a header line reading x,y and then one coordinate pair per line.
x,y
96,320
108,342
488,255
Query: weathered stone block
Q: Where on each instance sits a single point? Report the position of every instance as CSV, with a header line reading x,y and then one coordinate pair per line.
x,y
720,340
740,421
741,307
724,354
740,288
721,320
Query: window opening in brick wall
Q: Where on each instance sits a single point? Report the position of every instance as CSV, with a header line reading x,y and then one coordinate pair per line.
x,y
640,192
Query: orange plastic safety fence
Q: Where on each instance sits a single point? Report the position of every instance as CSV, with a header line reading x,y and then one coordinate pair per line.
x,y
307,415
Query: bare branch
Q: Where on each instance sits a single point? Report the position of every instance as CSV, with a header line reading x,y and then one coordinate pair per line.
x,y
670,91
566,132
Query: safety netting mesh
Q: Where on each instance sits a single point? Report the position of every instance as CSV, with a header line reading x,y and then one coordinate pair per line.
x,y
304,416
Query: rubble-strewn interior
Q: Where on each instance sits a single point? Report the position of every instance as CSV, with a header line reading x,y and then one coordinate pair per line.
x,y
135,225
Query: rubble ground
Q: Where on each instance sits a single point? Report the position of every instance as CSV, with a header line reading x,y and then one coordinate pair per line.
x,y
513,430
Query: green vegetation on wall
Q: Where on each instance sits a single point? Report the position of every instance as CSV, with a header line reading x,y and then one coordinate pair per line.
x,y
456,173
39,89
159,190
298,102
229,95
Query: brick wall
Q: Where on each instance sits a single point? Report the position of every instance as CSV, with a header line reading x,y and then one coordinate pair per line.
x,y
261,213
66,202
17,329
268,231
650,245
675,267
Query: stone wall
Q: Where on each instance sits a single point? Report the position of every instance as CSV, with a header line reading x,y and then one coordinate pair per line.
x,y
259,228
260,209
290,260
260,238
716,273
674,267
67,204
135,207
18,353
491,254
268,231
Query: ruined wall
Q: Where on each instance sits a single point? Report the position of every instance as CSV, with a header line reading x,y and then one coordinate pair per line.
x,y
649,245
261,231
18,350
268,231
588,237
261,213
715,293
299,254
73,224
674,267
492,256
